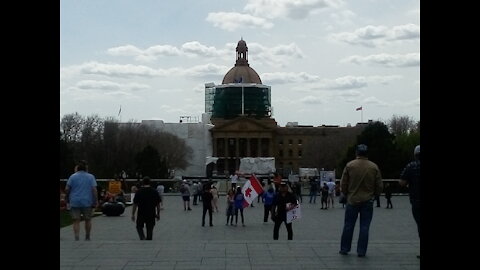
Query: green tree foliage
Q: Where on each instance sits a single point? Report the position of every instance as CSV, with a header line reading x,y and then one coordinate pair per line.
x,y
381,149
66,159
111,147
391,152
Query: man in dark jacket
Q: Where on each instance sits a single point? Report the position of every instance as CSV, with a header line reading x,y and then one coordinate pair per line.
x,y
207,198
147,201
411,176
280,208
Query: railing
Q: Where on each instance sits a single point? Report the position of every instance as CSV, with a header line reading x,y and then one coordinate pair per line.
x,y
173,185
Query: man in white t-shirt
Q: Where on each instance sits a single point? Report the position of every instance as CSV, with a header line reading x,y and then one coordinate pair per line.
x,y
331,191
160,190
234,179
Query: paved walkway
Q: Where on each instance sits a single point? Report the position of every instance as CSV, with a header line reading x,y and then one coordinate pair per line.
x,y
180,242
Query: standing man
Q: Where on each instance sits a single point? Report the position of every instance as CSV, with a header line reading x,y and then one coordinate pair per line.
x,y
331,191
207,205
411,177
361,181
234,179
280,208
147,201
81,191
161,190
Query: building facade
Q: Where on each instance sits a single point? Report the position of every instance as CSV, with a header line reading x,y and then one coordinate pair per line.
x,y
240,110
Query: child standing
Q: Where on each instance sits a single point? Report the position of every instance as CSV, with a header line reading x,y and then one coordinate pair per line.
x,y
230,209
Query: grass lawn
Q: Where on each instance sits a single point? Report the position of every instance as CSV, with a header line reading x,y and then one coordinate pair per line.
x,y
66,218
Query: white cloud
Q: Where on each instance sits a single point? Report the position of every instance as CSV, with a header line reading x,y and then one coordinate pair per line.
x,y
129,70
350,93
375,101
312,100
343,17
118,70
147,55
231,21
407,31
414,12
276,56
288,77
205,70
387,60
298,9
196,48
346,82
372,36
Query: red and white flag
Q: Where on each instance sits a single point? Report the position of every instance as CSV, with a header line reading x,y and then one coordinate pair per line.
x,y
250,190
359,109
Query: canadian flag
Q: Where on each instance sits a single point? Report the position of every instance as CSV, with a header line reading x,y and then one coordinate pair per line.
x,y
250,190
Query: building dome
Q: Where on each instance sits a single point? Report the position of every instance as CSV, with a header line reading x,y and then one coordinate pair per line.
x,y
242,72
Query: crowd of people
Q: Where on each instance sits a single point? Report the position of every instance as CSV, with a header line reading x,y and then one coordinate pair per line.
x,y
360,185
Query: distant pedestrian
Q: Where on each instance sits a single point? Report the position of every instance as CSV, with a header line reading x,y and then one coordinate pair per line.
x,y
161,190
82,198
214,193
324,198
207,198
195,192
411,176
147,201
234,180
283,202
297,190
331,191
313,191
361,181
377,199
268,197
230,206
185,192
239,198
388,195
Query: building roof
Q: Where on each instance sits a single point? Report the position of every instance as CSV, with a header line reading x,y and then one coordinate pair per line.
x,y
242,72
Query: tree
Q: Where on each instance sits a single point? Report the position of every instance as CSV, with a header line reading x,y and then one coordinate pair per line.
x,y
381,149
399,125
148,162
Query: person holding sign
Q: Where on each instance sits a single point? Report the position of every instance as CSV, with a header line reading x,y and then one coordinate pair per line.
x,y
280,208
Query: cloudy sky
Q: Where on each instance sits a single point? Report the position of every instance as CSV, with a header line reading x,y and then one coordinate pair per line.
x,y
322,58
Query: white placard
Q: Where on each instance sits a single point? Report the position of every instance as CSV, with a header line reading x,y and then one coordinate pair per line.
x,y
294,213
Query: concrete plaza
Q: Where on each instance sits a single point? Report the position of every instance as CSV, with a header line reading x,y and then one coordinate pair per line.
x,y
180,242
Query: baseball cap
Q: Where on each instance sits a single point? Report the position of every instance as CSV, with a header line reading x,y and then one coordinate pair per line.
x,y
417,150
362,148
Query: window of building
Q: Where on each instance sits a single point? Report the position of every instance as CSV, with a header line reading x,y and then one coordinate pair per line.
x,y
254,147
232,147
299,153
265,147
300,141
290,153
290,141
220,147
242,147
280,153
280,142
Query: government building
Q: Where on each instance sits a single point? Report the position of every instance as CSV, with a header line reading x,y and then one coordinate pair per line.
x,y
241,113
238,123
